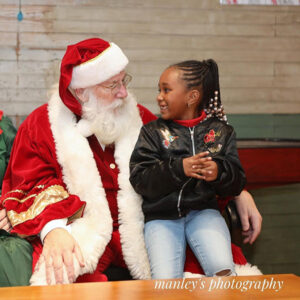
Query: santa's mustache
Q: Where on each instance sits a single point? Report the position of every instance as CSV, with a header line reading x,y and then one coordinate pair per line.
x,y
106,120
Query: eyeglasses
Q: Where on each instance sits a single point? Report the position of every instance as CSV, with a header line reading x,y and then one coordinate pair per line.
x,y
115,87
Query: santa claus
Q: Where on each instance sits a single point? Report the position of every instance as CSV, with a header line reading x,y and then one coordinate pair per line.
x,y
67,186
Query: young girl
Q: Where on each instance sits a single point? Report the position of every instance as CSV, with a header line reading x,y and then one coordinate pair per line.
x,y
180,163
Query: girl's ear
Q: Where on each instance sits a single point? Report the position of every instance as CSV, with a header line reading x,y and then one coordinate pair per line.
x,y
194,97
81,95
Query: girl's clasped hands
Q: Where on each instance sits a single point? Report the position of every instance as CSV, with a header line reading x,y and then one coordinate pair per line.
x,y
201,166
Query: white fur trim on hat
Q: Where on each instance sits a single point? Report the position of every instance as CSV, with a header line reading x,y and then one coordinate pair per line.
x,y
107,64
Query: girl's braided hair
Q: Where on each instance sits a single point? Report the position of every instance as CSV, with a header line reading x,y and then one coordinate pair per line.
x,y
204,75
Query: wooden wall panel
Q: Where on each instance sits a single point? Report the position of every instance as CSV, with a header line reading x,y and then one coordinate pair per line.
x,y
257,47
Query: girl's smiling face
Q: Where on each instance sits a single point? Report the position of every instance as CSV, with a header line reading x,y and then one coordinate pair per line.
x,y
174,97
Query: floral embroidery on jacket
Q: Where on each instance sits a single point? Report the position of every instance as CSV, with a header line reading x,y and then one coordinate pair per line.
x,y
210,138
215,149
168,138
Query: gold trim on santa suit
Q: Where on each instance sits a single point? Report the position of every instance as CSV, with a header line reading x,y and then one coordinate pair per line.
x,y
21,192
52,194
16,191
19,200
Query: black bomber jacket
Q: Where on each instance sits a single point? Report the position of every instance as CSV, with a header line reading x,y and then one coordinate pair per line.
x,y
156,168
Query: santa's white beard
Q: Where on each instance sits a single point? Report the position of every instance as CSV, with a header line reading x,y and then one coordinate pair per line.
x,y
108,121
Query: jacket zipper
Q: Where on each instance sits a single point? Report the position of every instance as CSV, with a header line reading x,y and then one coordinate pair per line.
x,y
194,152
192,137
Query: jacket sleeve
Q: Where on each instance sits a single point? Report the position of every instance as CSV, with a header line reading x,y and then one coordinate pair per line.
x,y
33,191
150,175
231,176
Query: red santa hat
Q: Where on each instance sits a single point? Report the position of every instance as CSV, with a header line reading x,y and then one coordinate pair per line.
x,y
88,63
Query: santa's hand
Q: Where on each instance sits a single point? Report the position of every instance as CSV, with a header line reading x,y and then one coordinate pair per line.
x,y
4,222
58,250
251,219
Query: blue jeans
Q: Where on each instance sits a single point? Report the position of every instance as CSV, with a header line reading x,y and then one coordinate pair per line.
x,y
206,233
